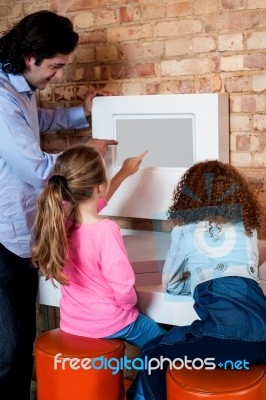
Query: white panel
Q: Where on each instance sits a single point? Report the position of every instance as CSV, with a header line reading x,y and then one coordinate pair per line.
x,y
177,131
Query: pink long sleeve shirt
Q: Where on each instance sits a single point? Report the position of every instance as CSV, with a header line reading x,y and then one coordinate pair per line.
x,y
100,299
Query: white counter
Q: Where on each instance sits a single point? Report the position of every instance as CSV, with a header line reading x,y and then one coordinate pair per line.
x,y
147,264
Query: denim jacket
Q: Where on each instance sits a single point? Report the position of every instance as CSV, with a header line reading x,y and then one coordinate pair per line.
x,y
231,307
208,251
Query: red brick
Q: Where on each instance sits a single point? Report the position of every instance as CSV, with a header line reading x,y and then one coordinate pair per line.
x,y
96,73
132,71
132,88
203,44
229,5
84,53
46,94
259,83
33,6
232,22
259,122
106,53
105,17
257,143
130,51
81,91
255,61
256,4
240,159
259,159
255,179
93,36
124,33
152,11
64,93
153,88
205,6
63,6
239,123
179,8
78,139
52,143
256,40
249,104
178,27
178,86
83,20
189,66
129,14
230,42
237,84
243,143
74,73
152,49
211,84
7,10
178,46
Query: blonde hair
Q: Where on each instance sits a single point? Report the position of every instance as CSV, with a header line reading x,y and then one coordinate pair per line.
x,y
77,172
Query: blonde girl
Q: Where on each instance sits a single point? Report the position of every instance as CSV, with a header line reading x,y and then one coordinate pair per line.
x,y
85,252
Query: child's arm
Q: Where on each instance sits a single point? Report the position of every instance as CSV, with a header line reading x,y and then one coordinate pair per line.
x,y
130,166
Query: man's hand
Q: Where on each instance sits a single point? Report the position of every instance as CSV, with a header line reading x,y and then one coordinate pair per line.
x,y
87,104
101,144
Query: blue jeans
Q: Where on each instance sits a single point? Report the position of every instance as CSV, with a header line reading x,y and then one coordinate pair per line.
x,y
139,332
153,386
18,289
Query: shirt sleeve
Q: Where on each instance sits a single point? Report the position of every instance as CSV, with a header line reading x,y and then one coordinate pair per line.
x,y
62,118
116,267
19,145
175,265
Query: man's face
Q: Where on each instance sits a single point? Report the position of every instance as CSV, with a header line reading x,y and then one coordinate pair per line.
x,y
40,76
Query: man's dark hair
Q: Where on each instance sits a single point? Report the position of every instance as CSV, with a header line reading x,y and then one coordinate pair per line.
x,y
42,35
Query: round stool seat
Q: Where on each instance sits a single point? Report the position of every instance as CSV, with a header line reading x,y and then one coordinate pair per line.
x,y
65,369
217,384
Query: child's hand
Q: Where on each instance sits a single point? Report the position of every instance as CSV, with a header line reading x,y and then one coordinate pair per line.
x,y
131,165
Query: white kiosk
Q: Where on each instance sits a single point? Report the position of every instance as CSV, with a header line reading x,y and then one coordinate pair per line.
x,y
177,131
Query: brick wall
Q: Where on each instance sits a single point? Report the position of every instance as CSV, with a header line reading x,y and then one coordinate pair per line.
x,y
131,47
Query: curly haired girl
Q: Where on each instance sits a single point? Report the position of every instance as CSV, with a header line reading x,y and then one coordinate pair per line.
x,y
213,256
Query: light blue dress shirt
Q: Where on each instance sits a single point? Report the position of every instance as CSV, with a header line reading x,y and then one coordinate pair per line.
x,y
24,167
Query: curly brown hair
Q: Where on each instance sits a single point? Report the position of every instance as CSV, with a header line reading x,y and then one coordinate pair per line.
x,y
216,192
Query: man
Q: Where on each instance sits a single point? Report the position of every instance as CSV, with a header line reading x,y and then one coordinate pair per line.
x,y
33,52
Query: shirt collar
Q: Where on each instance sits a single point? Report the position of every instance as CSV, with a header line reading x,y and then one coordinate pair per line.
x,y
20,83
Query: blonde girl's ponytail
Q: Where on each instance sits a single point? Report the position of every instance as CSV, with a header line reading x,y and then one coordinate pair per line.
x,y
78,171
50,242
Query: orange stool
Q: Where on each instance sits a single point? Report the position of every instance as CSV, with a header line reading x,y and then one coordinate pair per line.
x,y
64,371
217,384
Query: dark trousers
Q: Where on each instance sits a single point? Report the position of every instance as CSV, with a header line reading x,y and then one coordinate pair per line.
x,y
154,385
18,289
